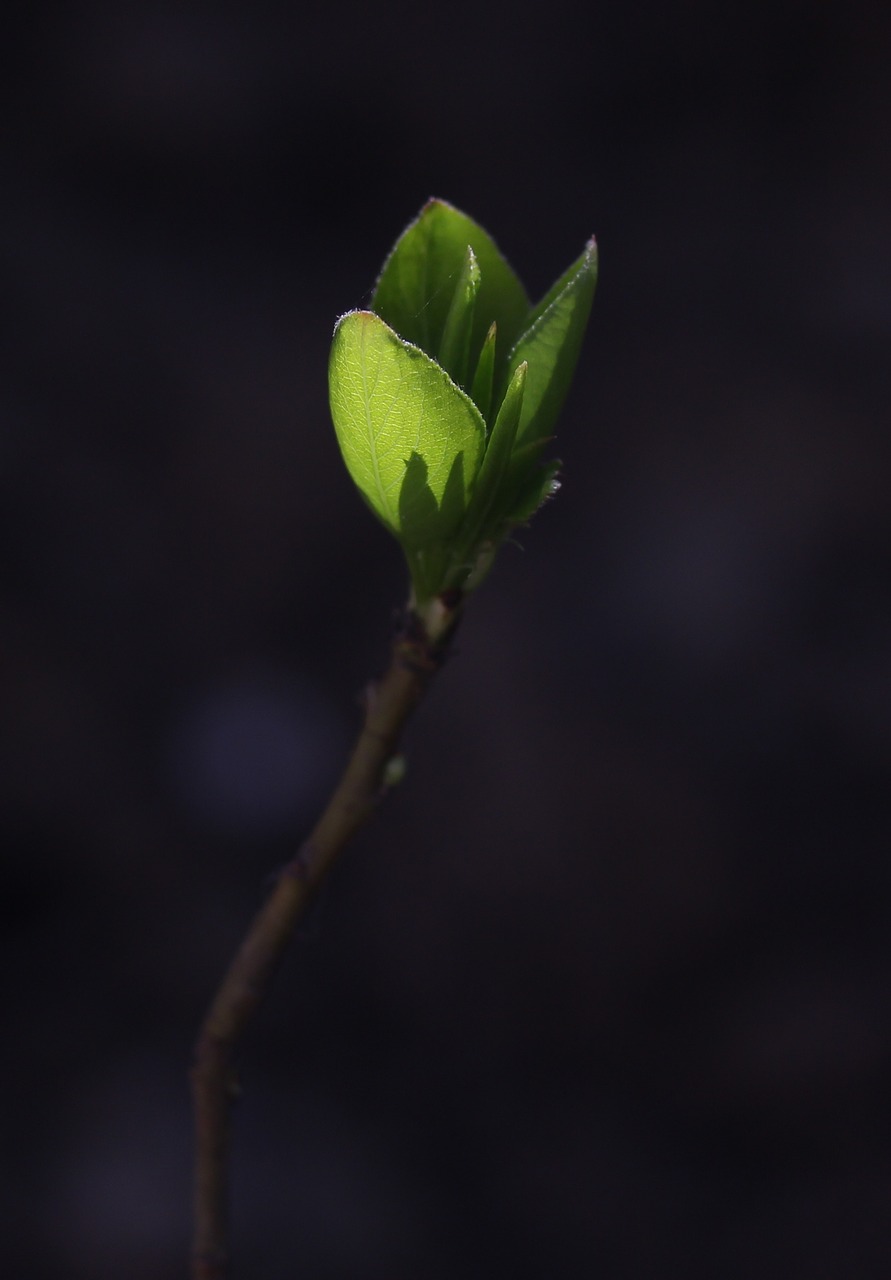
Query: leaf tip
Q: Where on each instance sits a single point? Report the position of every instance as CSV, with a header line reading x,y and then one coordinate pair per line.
x,y
434,202
362,316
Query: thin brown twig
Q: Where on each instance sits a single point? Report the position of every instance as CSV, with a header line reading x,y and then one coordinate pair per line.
x,y
417,653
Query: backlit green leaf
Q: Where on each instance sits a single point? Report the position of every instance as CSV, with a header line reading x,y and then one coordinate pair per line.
x,y
417,283
411,439
550,345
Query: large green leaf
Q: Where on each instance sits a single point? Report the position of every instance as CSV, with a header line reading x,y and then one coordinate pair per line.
x,y
411,439
418,281
550,345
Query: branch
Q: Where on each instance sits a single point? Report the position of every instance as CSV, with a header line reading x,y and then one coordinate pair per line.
x,y
416,656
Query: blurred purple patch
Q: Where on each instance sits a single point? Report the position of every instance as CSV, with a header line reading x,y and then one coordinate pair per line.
x,y
250,755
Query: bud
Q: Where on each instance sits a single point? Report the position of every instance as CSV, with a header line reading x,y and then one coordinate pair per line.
x,y
445,393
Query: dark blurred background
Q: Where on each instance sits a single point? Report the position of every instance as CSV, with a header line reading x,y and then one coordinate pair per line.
x,y
605,987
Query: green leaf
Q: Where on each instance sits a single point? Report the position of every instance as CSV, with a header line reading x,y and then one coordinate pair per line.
x,y
417,283
550,345
484,378
486,516
454,350
411,439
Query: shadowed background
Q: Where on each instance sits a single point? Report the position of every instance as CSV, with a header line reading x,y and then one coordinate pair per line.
x,y
604,988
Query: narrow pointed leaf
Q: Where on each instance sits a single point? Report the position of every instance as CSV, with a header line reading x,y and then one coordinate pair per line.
x,y
486,515
587,260
454,350
551,344
418,279
411,439
483,379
